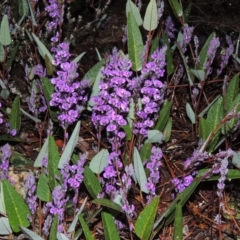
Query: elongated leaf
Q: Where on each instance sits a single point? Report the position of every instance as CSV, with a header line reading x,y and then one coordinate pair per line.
x,y
68,151
108,203
145,151
139,171
145,221
99,161
48,90
16,208
199,74
203,54
167,130
128,130
79,57
91,182
204,129
36,120
49,65
190,113
135,43
33,20
178,223
232,92
169,59
2,204
93,72
2,53
43,153
163,115
201,114
187,12
13,53
109,226
131,7
42,49
4,92
43,190
23,8
150,21
5,228
61,236
176,7
53,159
154,136
86,230
74,222
30,233
54,227
15,116
5,38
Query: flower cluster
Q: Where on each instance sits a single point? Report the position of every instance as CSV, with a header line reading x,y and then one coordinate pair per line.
x,y
72,175
31,198
187,36
212,49
56,207
70,96
54,12
153,166
4,166
152,92
169,27
226,55
1,115
181,184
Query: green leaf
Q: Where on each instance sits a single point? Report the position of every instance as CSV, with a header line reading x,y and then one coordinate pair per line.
x,y
54,227
43,153
145,151
5,38
4,92
8,138
79,57
13,53
178,223
42,49
95,88
135,43
176,7
187,12
2,53
49,65
5,228
15,116
144,223
199,74
201,114
99,161
48,90
127,129
72,142
203,54
53,159
36,120
167,130
43,190
93,72
30,234
154,136
87,232
16,208
131,7
153,48
169,59
109,226
204,129
108,203
139,171
150,21
23,8
190,113
232,92
91,182
33,20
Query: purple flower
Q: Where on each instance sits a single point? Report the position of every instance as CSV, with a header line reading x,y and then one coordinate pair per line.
x,y
4,166
31,198
169,27
187,36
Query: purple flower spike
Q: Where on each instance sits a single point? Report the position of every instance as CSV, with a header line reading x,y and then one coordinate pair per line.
x,y
4,166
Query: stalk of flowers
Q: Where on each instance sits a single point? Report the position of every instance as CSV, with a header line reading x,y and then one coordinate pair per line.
x,y
169,28
57,206
187,36
226,55
153,167
4,166
110,111
1,115
70,96
72,176
211,53
31,197
151,91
